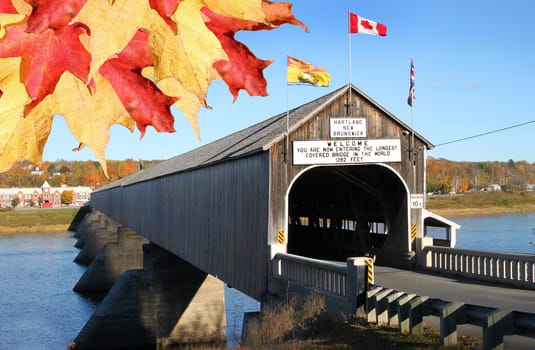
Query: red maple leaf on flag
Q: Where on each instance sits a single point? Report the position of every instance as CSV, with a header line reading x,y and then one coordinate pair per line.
x,y
366,24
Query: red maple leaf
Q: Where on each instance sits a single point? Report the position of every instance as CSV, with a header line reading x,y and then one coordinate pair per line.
x,y
6,6
165,9
146,104
365,24
243,70
46,56
53,14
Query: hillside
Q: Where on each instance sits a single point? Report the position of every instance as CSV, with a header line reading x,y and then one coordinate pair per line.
x,y
445,176
71,173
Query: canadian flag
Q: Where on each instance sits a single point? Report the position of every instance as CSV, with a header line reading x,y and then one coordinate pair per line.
x,y
362,25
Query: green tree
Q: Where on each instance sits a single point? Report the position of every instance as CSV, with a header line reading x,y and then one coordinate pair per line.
x,y
15,201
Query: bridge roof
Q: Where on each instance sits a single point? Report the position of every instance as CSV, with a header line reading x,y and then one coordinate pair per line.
x,y
256,138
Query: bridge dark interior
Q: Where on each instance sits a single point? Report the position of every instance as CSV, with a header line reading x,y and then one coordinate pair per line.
x,y
336,212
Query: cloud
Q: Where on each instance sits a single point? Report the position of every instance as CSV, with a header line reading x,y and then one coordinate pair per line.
x,y
474,85
438,82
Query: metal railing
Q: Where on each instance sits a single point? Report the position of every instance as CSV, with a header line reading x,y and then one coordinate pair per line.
x,y
506,268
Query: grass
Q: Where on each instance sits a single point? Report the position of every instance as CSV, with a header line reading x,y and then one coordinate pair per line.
x,y
481,203
36,220
301,324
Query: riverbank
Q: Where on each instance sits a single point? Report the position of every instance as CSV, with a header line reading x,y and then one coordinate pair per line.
x,y
468,204
481,203
37,220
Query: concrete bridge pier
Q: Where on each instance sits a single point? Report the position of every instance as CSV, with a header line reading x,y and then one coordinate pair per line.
x,y
113,259
93,240
168,302
90,218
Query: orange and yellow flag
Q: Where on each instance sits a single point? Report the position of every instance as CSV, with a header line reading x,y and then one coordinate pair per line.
x,y
302,72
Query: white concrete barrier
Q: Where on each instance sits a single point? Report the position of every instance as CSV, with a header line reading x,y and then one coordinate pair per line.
x,y
506,268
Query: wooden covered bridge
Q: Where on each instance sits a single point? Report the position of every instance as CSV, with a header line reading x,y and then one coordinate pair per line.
x,y
335,178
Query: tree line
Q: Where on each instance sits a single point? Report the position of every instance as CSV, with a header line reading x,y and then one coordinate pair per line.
x,y
70,173
443,175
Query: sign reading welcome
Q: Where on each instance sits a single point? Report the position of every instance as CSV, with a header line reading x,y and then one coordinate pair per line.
x,y
346,151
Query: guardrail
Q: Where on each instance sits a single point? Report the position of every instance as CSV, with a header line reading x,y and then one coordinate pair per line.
x,y
348,281
506,268
406,311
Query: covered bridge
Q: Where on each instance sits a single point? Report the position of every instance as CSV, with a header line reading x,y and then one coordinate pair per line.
x,y
331,179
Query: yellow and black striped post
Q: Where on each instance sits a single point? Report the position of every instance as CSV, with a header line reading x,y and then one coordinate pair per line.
x,y
281,237
368,262
413,232
369,265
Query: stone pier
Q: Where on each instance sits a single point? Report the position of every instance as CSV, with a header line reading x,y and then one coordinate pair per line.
x,y
92,234
169,301
113,259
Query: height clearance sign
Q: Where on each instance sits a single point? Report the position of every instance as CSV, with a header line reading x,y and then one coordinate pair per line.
x,y
346,151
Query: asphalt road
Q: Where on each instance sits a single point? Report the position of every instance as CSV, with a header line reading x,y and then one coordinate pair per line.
x,y
461,290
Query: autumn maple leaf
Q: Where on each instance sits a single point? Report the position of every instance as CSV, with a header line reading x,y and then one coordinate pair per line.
x,y
243,70
8,16
166,9
146,104
45,57
142,56
52,14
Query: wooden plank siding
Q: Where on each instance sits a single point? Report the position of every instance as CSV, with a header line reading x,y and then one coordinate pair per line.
x,y
215,217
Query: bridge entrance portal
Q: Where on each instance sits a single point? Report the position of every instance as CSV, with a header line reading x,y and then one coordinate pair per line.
x,y
336,212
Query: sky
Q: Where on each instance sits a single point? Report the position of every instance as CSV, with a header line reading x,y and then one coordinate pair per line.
x,y
474,68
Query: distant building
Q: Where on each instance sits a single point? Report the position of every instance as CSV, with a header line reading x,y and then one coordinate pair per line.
x,y
48,196
495,187
36,171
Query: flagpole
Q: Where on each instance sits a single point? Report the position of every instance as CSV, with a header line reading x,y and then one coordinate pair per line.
x,y
412,150
286,142
350,109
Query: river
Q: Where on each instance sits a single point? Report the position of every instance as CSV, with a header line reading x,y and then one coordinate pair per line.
x,y
513,233
39,310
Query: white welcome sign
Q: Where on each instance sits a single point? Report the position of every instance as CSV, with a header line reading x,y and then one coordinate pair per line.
x,y
346,151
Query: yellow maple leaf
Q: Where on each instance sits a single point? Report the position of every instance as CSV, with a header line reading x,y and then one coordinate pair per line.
x,y
112,25
20,137
7,19
247,9
188,103
100,110
15,144
189,55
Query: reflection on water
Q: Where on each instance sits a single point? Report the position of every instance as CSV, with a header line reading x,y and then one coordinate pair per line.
x,y
39,310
